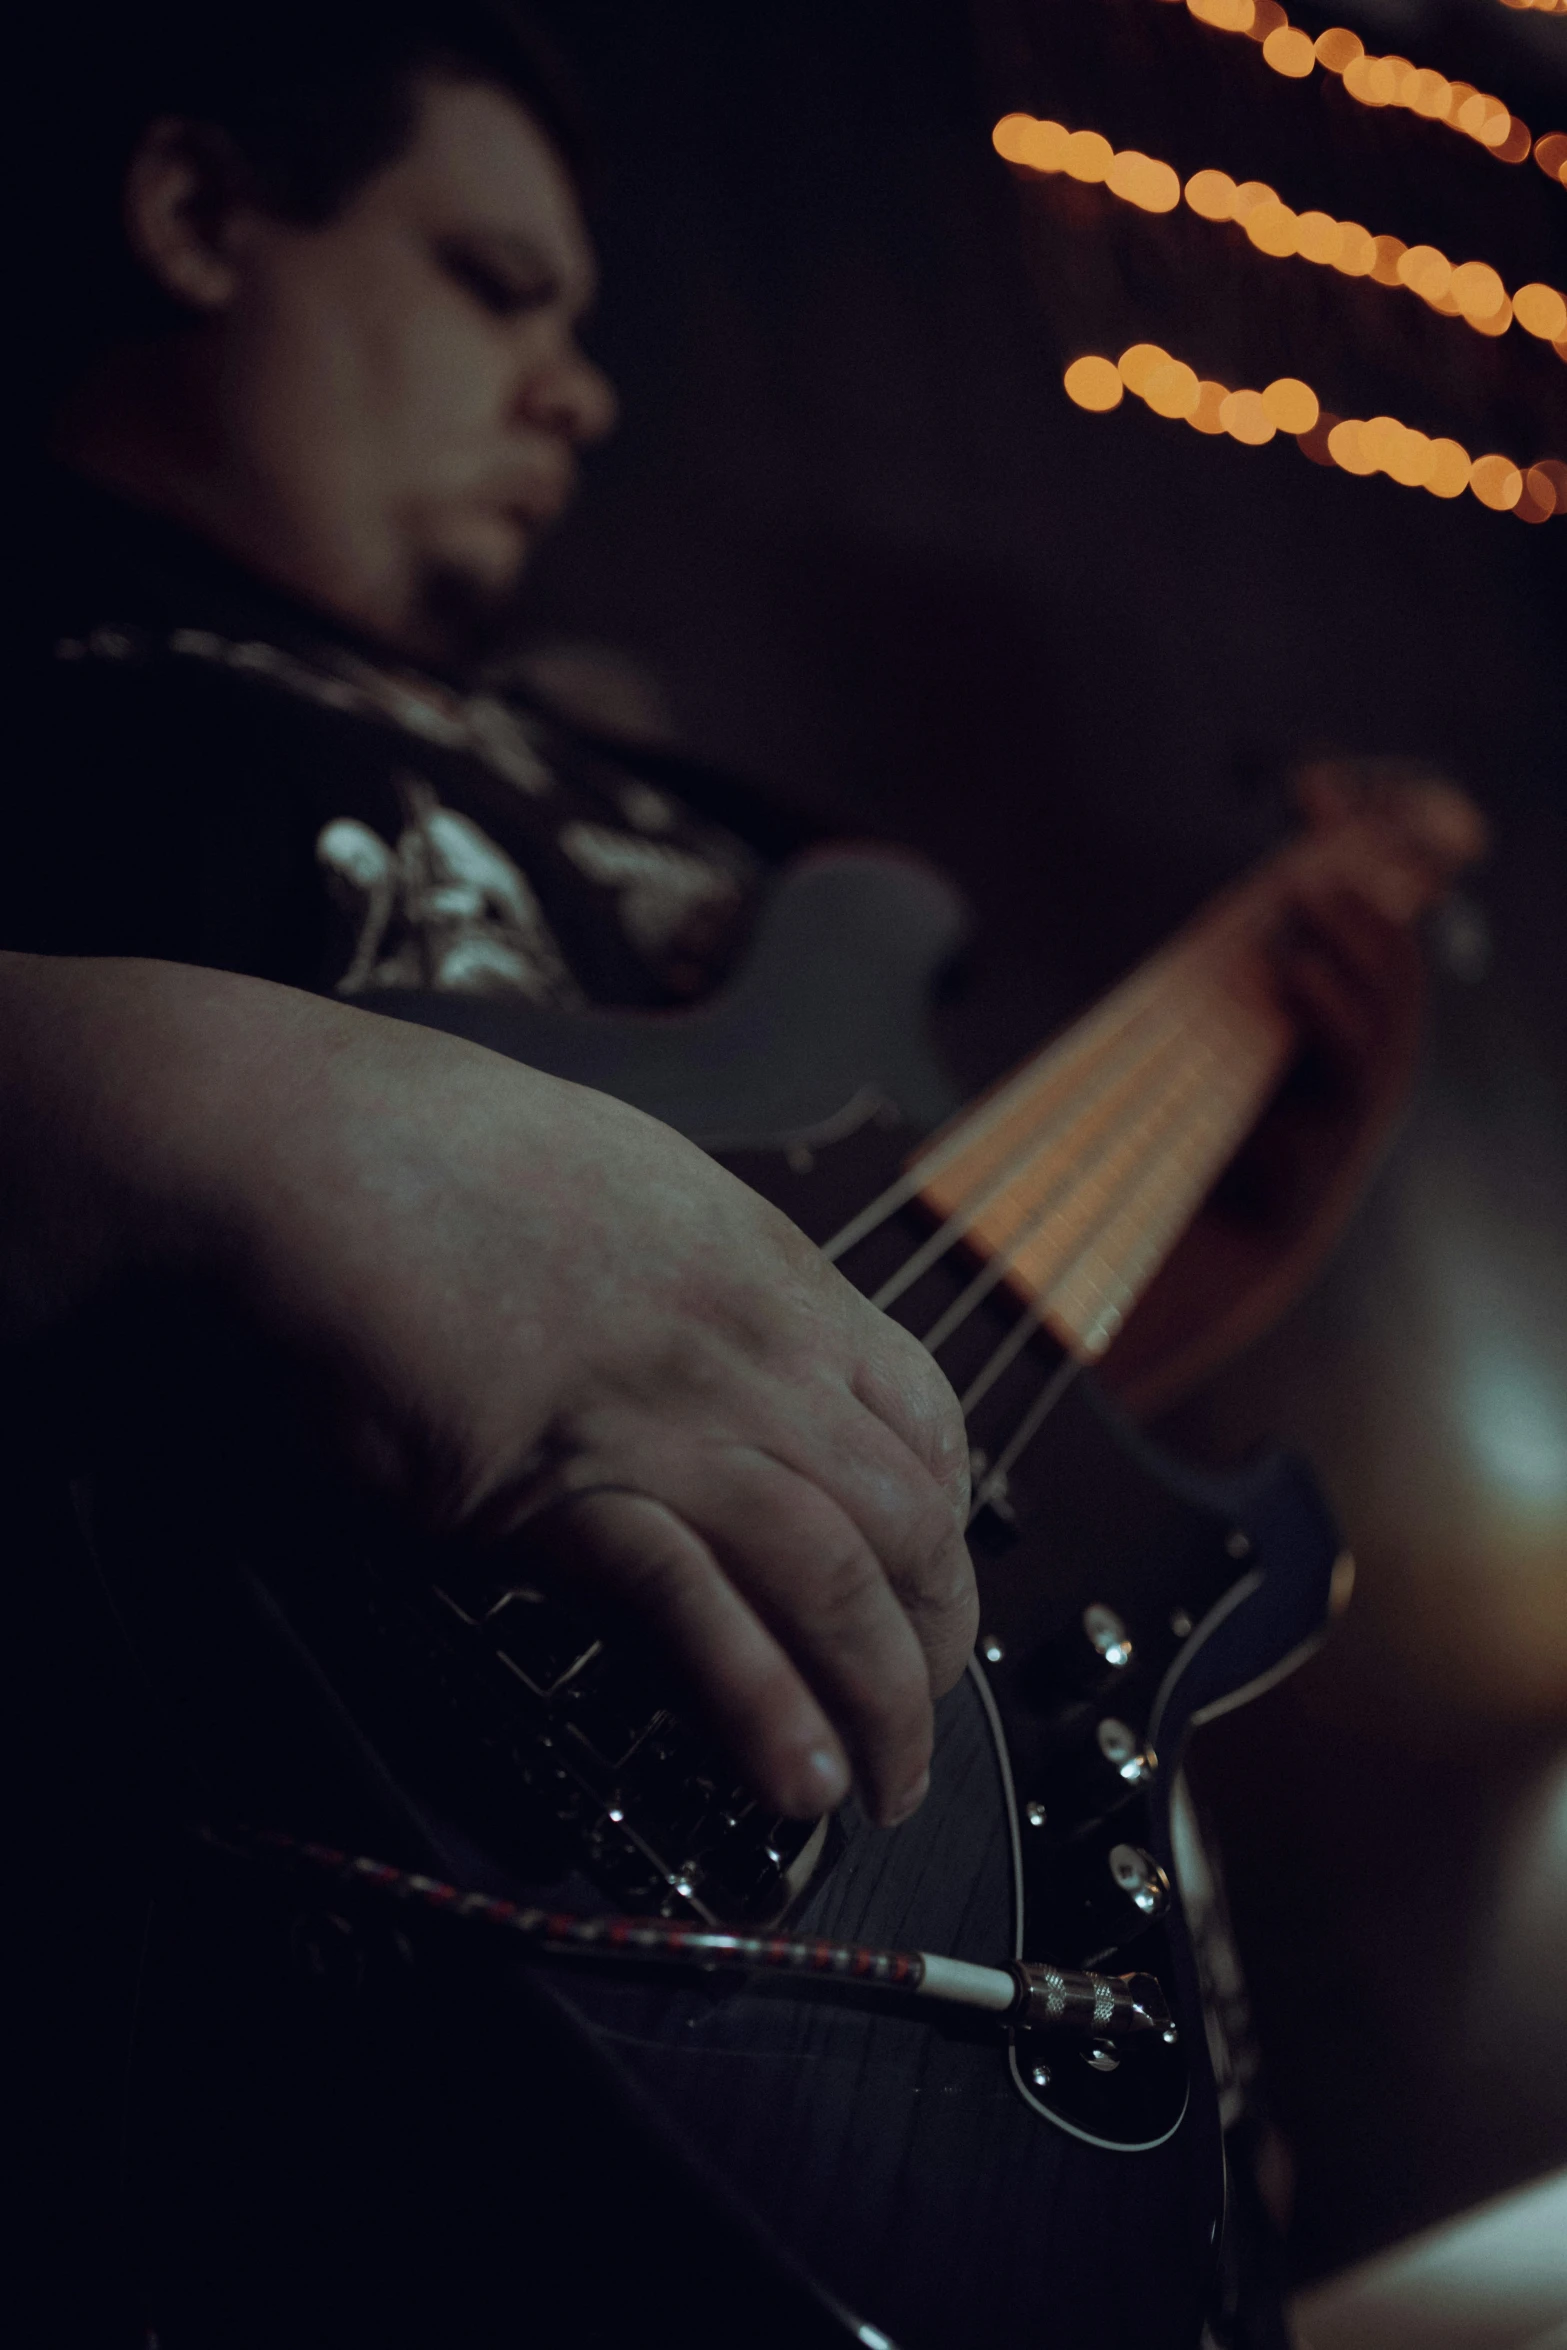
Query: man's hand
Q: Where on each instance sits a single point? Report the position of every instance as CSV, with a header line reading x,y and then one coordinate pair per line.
x,y
522,1304
1354,981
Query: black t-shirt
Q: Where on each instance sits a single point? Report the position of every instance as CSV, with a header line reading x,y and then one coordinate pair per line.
x,y
207,772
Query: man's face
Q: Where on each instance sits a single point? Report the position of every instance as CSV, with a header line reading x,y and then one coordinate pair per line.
x,y
399,396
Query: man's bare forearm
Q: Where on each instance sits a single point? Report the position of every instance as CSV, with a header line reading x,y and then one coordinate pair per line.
x,y
505,1293
131,1095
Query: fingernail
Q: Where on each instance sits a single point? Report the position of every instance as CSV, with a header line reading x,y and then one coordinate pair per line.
x,y
828,1779
899,1812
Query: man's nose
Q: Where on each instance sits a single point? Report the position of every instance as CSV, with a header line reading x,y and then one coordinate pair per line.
x,y
575,399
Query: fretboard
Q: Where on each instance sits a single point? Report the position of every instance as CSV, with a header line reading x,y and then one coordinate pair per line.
x,y
1076,1176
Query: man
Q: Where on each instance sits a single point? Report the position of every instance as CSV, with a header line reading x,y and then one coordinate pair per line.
x,y
315,391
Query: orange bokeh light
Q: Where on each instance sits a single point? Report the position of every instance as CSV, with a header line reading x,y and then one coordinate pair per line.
x,y
1094,384
1138,362
1477,289
1344,447
1009,135
1087,156
1211,194
1273,229
1172,390
1540,310
1290,52
1390,252
1497,324
1379,439
1357,250
1338,47
1426,272
1448,474
1409,461
1211,397
1249,197
1141,180
1244,418
1290,404
1538,502
1496,482
1226,16
1317,238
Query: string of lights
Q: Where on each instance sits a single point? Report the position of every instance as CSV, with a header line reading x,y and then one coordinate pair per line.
x,y
1377,444
1383,81
1470,290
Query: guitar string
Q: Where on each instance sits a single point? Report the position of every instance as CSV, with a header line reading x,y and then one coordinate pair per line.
x,y
1189,1071
1233,925
1029,1321
999,1262
1129,1068
992,1483
976,1125
1237,919
1095,1293
1267,1054
1183,956
1165,1113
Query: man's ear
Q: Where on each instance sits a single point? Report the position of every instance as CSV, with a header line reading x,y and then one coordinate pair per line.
x,y
183,187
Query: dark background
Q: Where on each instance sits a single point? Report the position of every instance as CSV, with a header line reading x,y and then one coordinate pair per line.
x,y
872,554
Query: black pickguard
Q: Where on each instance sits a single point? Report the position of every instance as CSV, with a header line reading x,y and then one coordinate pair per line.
x,y
951,2187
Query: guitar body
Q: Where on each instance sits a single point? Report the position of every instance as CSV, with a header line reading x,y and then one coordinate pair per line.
x,y
943,2181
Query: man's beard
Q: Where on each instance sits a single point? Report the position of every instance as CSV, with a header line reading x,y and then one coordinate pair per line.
x,y
476,624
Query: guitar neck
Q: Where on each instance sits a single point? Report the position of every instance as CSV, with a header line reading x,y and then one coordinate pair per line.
x,y
1078,1174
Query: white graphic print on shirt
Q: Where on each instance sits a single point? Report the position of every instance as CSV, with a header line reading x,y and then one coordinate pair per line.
x,y
446,909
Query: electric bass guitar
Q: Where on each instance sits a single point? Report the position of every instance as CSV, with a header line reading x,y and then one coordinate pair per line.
x,y
956,2075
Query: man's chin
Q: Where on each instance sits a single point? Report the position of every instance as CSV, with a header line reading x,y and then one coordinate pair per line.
x,y
471,618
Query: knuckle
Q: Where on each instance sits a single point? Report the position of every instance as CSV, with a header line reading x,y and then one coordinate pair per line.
x,y
843,1579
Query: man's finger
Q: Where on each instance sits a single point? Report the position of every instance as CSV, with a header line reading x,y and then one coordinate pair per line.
x,y
639,1553
899,1382
823,1592
913,1525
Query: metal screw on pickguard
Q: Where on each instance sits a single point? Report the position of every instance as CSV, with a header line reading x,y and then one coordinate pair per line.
x,y
1107,1636
992,1651
1118,1744
1238,1544
1035,1814
1180,1623
1140,1879
1101,2056
1040,2076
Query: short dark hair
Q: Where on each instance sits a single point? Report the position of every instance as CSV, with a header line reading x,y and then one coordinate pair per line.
x,y
311,96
